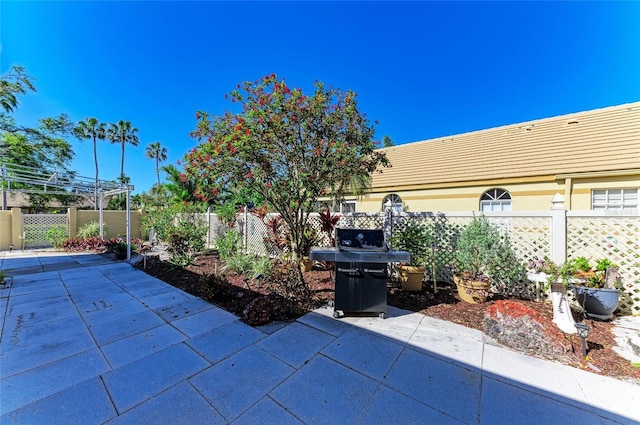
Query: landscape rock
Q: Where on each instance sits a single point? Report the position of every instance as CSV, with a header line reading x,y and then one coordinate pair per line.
x,y
519,327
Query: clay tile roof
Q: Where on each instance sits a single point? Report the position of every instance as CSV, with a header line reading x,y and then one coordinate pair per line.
x,y
605,139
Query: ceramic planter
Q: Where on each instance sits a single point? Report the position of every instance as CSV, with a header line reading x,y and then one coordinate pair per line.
x,y
411,277
598,303
471,291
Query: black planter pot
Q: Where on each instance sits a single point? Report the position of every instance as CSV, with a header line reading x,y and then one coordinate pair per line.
x,y
598,303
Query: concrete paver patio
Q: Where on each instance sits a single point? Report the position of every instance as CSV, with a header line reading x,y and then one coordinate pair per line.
x,y
89,341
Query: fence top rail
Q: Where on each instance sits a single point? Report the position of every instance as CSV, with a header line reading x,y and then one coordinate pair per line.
x,y
607,213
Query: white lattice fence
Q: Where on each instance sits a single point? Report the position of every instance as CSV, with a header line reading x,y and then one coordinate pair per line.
x,y
616,238
36,226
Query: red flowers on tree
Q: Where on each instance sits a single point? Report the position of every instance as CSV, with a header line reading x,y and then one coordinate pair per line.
x,y
287,147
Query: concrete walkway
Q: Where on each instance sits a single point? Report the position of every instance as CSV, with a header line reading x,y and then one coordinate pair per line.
x,y
88,341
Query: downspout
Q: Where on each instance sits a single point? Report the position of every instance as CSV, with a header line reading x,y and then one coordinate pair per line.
x,y
568,189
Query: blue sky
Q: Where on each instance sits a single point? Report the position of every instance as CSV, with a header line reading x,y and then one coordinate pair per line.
x,y
421,69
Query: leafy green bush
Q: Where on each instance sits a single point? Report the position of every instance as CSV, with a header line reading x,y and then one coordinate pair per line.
x,y
90,230
230,245
239,263
261,266
56,236
416,239
486,254
181,227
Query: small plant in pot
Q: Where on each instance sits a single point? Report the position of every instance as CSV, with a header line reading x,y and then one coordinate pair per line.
x,y
310,238
482,254
597,289
415,239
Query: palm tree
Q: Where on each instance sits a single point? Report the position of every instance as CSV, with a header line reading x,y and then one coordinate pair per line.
x,y
91,128
123,132
180,187
157,152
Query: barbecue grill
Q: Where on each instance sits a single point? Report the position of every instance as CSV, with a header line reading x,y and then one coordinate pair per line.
x,y
361,275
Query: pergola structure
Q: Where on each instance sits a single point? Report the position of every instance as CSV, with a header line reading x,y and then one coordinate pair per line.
x,y
37,180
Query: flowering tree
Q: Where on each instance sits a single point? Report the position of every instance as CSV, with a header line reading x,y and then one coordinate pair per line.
x,y
287,147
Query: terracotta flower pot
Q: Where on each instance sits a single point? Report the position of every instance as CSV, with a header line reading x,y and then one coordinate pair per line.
x,y
306,264
411,277
471,291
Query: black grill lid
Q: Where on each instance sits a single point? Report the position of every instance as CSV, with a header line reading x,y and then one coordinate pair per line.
x,y
360,240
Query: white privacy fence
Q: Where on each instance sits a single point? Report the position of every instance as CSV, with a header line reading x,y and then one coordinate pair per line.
x,y
556,233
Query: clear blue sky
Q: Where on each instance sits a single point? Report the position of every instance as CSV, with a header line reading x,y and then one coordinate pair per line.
x,y
422,69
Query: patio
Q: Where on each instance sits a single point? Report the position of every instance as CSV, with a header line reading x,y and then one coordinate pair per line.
x,y
89,341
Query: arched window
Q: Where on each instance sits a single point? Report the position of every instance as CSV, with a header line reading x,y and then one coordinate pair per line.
x,y
495,200
396,202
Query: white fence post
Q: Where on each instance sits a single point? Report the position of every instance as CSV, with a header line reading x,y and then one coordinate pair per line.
x,y
245,230
558,230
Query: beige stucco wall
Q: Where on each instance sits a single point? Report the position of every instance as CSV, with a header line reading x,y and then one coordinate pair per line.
x,y
5,229
116,222
526,196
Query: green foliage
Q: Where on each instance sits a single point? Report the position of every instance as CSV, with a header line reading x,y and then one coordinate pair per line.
x,y
416,239
160,219
56,236
261,266
181,227
158,153
230,245
486,255
581,264
15,82
286,147
91,230
122,133
227,213
603,264
239,263
476,246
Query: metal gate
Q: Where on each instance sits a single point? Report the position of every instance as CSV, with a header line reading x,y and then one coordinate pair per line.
x,y
36,226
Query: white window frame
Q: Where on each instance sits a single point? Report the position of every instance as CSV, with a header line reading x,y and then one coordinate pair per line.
x,y
498,200
352,208
397,206
615,199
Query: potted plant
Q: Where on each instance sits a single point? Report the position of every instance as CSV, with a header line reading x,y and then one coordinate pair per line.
x,y
310,238
482,255
597,289
415,239
120,250
4,279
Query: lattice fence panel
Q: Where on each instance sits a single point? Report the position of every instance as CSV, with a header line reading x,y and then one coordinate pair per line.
x,y
36,226
613,237
361,221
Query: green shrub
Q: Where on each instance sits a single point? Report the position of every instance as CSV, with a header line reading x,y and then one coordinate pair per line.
x,y
486,254
239,263
261,266
91,230
56,236
230,245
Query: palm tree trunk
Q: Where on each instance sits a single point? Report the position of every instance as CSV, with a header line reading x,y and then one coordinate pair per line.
x,y
95,188
157,170
122,162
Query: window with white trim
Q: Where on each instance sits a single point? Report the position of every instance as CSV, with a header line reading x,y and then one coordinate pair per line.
x,y
614,199
396,203
495,200
348,207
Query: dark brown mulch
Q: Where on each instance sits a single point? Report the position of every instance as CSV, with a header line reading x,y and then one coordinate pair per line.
x,y
205,279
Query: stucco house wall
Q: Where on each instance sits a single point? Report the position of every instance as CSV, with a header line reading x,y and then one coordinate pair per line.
x,y
571,155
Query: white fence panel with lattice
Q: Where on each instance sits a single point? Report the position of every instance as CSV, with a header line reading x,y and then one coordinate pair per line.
x,y
36,226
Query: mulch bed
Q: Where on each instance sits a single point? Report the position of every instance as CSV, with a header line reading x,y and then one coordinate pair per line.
x,y
205,279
